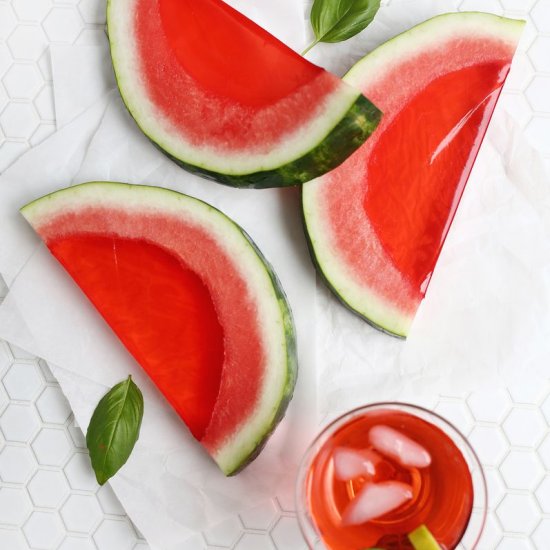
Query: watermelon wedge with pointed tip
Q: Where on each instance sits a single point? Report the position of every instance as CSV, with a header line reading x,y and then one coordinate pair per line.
x,y
226,100
376,224
192,299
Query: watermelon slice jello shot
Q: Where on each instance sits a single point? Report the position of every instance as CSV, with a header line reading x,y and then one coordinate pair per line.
x,y
391,476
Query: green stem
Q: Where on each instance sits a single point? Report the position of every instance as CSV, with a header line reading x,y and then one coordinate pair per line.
x,y
314,43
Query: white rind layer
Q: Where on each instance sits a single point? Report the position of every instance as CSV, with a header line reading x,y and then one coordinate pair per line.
x,y
368,75
433,34
143,199
120,21
358,297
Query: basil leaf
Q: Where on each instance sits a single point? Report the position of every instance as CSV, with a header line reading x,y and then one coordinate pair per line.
x,y
114,429
338,20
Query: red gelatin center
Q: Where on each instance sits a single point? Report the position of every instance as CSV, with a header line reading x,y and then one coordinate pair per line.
x,y
220,81
161,311
440,130
229,55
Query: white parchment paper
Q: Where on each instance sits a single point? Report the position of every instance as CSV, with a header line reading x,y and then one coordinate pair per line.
x,y
485,320
486,317
81,75
55,160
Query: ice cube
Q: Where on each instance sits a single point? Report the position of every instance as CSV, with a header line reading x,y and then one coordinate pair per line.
x,y
351,463
398,446
374,500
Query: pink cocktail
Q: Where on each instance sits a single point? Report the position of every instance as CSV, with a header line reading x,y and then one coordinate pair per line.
x,y
385,475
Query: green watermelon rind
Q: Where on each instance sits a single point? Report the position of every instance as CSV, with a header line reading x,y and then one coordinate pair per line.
x,y
428,32
292,372
345,123
346,137
388,326
248,455
373,309
246,451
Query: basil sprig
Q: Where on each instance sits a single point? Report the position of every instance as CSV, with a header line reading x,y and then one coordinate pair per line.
x,y
114,429
338,20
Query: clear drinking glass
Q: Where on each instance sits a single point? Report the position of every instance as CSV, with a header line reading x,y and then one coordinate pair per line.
x,y
315,491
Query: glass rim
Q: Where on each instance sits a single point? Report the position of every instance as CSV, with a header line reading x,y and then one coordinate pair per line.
x,y
305,521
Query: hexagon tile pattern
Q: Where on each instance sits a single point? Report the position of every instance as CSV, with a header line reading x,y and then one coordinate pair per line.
x,y
49,498
27,28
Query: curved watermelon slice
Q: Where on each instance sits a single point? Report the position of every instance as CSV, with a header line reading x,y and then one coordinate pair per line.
x,y
377,223
226,100
191,298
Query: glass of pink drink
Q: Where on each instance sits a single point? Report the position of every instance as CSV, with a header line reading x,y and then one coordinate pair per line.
x,y
385,475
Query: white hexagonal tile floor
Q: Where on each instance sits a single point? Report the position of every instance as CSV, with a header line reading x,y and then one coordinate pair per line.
x,y
48,489
23,381
518,513
79,473
541,17
52,447
21,81
15,505
17,464
490,444
543,495
115,533
541,536
52,406
44,530
521,470
261,517
525,427
19,423
49,497
81,513
490,408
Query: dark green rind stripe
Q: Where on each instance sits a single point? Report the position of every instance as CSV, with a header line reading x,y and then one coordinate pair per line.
x,y
346,137
335,147
334,290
